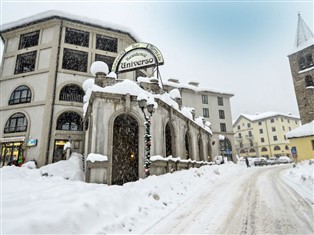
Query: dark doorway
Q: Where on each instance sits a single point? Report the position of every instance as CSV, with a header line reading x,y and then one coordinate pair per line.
x,y
168,141
125,150
58,153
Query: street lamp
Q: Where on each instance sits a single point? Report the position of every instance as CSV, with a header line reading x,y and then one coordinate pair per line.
x,y
149,103
221,145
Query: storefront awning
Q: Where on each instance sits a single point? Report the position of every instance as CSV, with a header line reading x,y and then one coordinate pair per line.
x,y
12,139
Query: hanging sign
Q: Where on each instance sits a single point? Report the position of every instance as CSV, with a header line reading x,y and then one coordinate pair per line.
x,y
137,56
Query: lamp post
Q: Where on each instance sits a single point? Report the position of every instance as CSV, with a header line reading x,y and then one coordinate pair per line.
x,y
149,104
221,145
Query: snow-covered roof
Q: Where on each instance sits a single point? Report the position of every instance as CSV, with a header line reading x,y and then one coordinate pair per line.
x,y
304,36
127,86
195,88
302,131
64,15
260,116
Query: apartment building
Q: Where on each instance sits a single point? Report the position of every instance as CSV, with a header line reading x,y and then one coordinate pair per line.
x,y
46,59
264,134
214,106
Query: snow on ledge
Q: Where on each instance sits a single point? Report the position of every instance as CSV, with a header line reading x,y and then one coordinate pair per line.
x,y
93,157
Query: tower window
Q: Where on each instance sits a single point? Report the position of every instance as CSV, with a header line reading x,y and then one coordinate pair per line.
x,y
302,64
76,37
309,60
309,81
29,40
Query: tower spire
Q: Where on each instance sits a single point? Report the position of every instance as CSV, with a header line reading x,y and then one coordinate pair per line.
x,y
304,35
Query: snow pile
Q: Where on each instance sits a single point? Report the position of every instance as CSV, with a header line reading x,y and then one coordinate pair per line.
x,y
68,169
301,178
96,157
99,67
54,205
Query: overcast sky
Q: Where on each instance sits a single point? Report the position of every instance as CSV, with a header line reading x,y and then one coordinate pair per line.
x,y
239,47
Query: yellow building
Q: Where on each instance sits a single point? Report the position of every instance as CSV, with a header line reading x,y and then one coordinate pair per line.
x,y
302,139
264,134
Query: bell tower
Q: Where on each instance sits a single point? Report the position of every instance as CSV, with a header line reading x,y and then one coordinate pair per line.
x,y
302,70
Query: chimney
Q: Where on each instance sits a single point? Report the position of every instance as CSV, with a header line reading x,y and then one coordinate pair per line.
x,y
194,83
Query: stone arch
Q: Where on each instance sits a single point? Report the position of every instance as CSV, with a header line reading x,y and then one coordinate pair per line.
x,y
169,139
187,144
125,149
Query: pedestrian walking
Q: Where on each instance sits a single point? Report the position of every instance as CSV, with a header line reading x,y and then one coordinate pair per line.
x,y
247,162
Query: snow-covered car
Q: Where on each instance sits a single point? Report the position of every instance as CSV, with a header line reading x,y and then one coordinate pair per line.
x,y
260,162
272,161
284,159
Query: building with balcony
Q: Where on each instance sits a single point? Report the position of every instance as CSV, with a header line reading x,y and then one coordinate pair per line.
x,y
302,70
264,134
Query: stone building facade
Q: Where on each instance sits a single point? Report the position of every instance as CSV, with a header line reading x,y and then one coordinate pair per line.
x,y
115,128
302,70
45,61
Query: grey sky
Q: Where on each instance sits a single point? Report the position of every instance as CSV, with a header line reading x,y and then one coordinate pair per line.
x,y
239,47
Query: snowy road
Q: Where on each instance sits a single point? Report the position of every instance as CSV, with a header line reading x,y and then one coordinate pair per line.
x,y
255,203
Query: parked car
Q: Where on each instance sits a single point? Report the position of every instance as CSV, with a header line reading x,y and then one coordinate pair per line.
x,y
272,161
284,159
260,162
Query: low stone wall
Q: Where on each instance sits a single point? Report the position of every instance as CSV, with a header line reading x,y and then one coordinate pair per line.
x,y
162,166
97,172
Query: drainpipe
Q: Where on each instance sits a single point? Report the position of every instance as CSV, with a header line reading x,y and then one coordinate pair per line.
x,y
54,95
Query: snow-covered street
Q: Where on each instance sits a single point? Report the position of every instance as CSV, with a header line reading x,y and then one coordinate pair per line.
x,y
224,199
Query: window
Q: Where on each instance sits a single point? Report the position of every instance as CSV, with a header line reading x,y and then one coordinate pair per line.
x,y
29,40
25,62
75,60
248,125
277,147
240,136
76,37
239,127
281,119
296,122
71,93
261,131
262,140
264,149
69,121
273,129
308,60
250,133
309,81
289,128
21,94
285,138
16,123
223,127
106,43
312,144
205,112
302,64
107,59
283,128
220,101
259,123
286,147
221,114
272,120
288,120
204,99
275,138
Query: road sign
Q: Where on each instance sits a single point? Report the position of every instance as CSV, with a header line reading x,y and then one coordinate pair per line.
x,y
227,151
294,150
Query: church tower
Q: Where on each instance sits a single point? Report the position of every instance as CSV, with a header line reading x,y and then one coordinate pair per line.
x,y
302,70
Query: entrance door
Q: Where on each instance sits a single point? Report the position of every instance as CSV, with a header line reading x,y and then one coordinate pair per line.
x,y
58,153
11,152
125,150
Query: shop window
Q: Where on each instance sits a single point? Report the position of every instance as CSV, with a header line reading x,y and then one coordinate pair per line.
x,y
75,60
205,112
309,81
25,62
21,94
72,93
221,114
70,121
223,127
16,123
107,59
252,150
204,99
264,149
276,148
29,40
220,101
76,37
106,43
